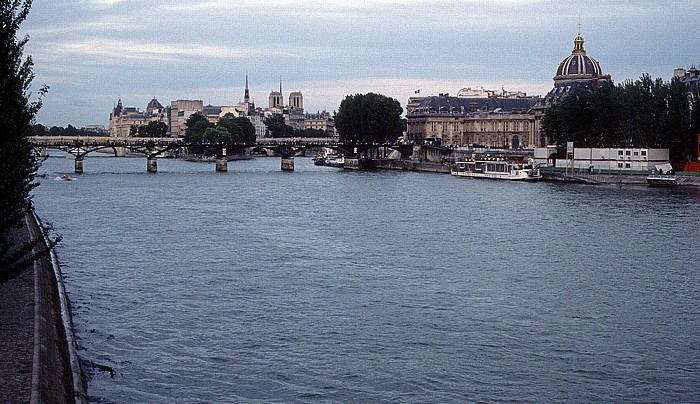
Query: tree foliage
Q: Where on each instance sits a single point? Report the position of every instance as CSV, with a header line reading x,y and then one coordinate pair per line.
x,y
227,130
370,117
644,113
197,124
240,128
277,127
153,129
18,164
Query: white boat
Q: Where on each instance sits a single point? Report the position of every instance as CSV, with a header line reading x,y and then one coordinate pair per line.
x,y
495,169
64,177
328,158
663,176
662,180
335,161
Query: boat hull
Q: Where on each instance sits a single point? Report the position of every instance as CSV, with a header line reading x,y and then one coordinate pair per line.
x,y
521,176
662,180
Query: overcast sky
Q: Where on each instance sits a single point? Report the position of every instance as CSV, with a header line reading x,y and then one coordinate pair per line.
x,y
92,52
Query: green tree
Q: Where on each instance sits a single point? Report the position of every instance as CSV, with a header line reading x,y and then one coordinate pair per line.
x,y
644,113
247,129
369,117
676,130
71,131
277,127
310,133
153,129
38,130
56,131
232,127
218,134
197,124
18,164
694,122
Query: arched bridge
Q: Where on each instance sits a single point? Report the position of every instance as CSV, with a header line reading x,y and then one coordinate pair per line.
x,y
287,148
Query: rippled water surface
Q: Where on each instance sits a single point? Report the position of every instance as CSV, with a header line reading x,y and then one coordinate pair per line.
x,y
332,285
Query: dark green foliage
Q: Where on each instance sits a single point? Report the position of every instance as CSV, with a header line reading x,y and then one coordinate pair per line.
x,y
197,124
372,118
310,133
277,127
153,129
39,130
643,113
18,164
247,130
218,135
241,130
69,131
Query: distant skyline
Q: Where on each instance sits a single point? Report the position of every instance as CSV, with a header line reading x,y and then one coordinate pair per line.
x,y
92,52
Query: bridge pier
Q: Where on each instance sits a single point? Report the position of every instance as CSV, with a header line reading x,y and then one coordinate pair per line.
x,y
288,163
78,164
120,151
151,164
42,151
221,162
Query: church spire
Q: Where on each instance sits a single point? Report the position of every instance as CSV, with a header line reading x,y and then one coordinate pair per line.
x,y
246,96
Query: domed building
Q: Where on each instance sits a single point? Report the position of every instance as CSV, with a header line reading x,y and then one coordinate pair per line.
x,y
577,72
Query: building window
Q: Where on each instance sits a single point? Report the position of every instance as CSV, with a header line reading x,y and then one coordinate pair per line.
x,y
636,153
644,152
620,153
627,165
628,152
619,165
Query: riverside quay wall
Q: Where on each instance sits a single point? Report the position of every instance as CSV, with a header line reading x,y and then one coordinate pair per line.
x,y
404,165
38,353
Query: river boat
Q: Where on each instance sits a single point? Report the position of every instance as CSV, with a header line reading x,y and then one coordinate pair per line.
x,y
327,158
663,176
495,169
662,180
335,161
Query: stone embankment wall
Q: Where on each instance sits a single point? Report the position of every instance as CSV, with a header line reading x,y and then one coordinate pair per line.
x,y
40,358
629,179
412,165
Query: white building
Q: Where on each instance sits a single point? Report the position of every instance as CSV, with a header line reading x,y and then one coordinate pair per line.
x,y
605,159
180,111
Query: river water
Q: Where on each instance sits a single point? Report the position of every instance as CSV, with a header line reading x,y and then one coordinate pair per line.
x,y
344,286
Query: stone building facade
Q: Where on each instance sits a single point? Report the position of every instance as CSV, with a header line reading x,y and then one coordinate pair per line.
x,y
501,120
121,119
493,122
690,77
176,114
